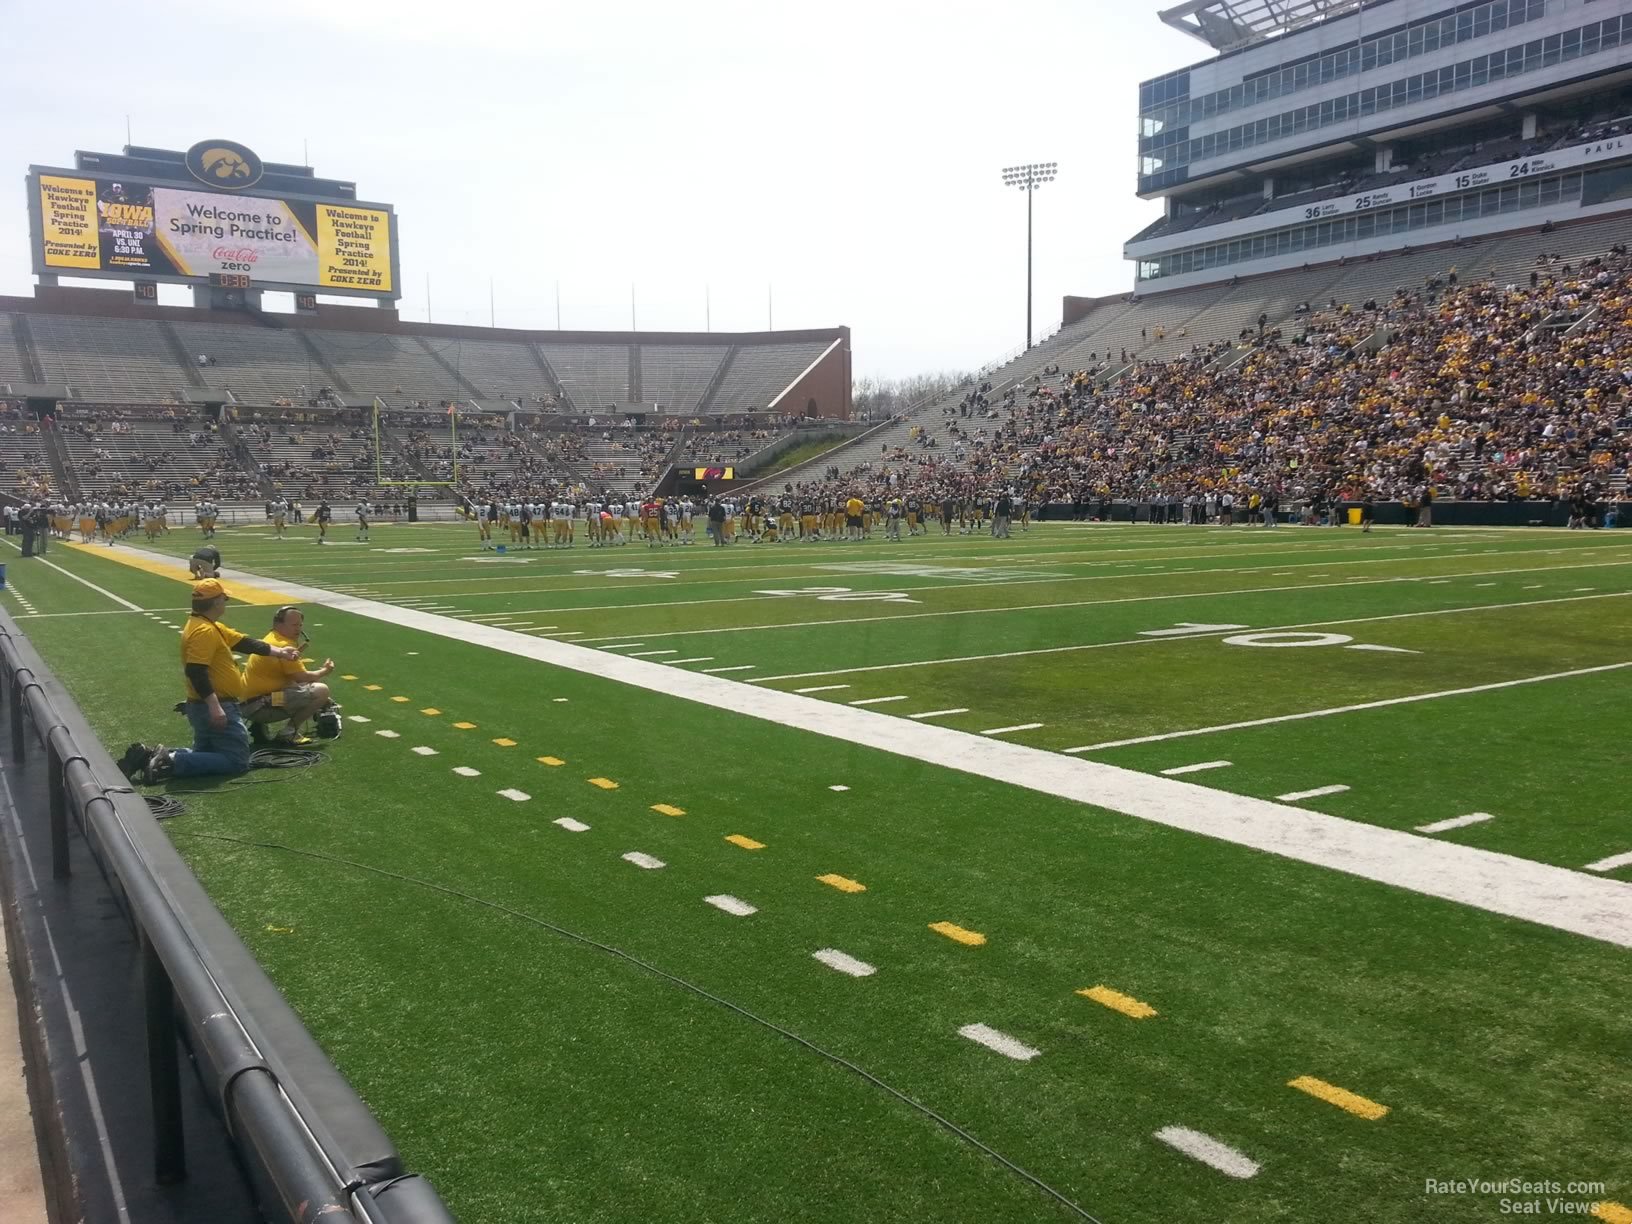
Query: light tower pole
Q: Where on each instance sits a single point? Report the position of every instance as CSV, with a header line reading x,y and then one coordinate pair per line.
x,y
1028,178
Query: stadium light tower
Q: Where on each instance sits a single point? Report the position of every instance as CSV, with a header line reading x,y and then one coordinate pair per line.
x,y
1028,178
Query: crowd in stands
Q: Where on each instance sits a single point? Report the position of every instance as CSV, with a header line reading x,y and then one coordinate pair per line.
x,y
1476,390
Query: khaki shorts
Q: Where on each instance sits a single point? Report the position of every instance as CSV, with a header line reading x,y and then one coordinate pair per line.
x,y
275,707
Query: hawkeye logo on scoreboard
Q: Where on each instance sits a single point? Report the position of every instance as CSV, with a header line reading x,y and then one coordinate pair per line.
x,y
225,164
715,473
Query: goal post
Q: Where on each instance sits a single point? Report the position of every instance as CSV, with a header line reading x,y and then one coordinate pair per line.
x,y
378,409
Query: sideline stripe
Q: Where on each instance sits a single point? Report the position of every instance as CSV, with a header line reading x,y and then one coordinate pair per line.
x,y
844,963
1188,769
1355,1104
1316,793
992,1039
958,934
1117,1001
1613,863
241,589
1564,899
1348,709
842,883
1455,822
730,904
930,713
1209,1151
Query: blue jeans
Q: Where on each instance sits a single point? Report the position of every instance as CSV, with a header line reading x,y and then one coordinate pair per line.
x,y
214,752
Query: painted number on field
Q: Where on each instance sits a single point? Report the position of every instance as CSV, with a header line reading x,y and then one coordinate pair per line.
x,y
629,573
1288,639
844,595
1185,628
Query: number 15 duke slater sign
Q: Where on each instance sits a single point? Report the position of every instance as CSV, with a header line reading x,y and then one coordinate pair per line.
x,y
156,214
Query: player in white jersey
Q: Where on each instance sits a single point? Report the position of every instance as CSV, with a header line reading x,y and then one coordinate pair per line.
x,y
688,513
364,512
280,516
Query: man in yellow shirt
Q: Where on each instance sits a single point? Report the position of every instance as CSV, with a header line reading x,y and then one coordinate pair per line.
x,y
215,686
852,516
277,688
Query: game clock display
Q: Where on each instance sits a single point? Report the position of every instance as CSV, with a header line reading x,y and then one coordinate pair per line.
x,y
229,280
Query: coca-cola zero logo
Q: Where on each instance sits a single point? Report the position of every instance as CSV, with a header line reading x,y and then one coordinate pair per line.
x,y
241,255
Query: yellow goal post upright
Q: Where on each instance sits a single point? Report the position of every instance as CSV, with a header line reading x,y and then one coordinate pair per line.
x,y
381,406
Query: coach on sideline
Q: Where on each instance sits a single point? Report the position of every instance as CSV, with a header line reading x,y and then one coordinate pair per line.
x,y
215,686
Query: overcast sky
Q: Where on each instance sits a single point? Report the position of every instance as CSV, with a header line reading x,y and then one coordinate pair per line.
x,y
847,155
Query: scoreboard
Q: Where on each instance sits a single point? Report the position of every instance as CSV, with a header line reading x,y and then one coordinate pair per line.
x,y
203,223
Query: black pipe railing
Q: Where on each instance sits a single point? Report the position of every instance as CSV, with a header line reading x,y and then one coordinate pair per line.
x,y
312,1147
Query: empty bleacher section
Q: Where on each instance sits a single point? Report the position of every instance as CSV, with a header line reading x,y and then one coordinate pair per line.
x,y
11,360
115,360
397,368
501,371
259,365
761,372
594,376
675,377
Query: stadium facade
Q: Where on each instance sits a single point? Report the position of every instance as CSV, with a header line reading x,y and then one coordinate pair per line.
x,y
1326,130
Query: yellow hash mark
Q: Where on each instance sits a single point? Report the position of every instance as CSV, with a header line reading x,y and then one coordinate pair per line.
x,y
348,677
430,711
505,743
842,883
1341,1097
956,933
551,761
373,688
1612,1213
748,843
603,783
664,809
466,726
402,699
1117,1001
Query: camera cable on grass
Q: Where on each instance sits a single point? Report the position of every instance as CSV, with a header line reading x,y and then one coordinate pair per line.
x,y
631,958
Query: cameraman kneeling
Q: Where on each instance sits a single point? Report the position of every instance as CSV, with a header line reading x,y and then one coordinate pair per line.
x,y
277,687
215,686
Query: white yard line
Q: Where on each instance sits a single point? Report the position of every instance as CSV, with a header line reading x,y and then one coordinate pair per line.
x,y
1145,639
646,654
844,963
1209,1151
871,701
1590,905
992,1039
926,713
1316,793
1177,770
1348,709
1006,730
731,905
709,671
1455,822
822,688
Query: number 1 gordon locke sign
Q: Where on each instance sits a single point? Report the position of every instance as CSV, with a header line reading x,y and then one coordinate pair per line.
x,y
101,225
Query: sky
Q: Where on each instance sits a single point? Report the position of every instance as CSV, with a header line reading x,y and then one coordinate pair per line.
x,y
737,163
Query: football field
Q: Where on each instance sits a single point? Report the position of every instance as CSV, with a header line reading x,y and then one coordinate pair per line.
x,y
1122,872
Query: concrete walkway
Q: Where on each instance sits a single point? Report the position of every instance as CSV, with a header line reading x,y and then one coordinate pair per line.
x,y
22,1198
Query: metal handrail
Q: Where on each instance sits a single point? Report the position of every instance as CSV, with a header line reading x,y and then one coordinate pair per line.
x,y
300,1167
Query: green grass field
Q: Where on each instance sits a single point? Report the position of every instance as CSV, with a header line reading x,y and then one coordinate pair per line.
x,y
551,1032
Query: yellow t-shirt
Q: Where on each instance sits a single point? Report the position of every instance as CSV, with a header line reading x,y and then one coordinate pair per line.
x,y
210,642
853,507
268,674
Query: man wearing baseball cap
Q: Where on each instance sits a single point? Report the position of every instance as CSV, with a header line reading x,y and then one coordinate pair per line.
x,y
215,686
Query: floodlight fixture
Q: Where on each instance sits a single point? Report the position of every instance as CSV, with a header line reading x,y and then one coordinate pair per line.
x,y
1028,177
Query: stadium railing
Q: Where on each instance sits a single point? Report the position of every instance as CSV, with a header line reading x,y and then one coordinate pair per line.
x,y
309,1143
